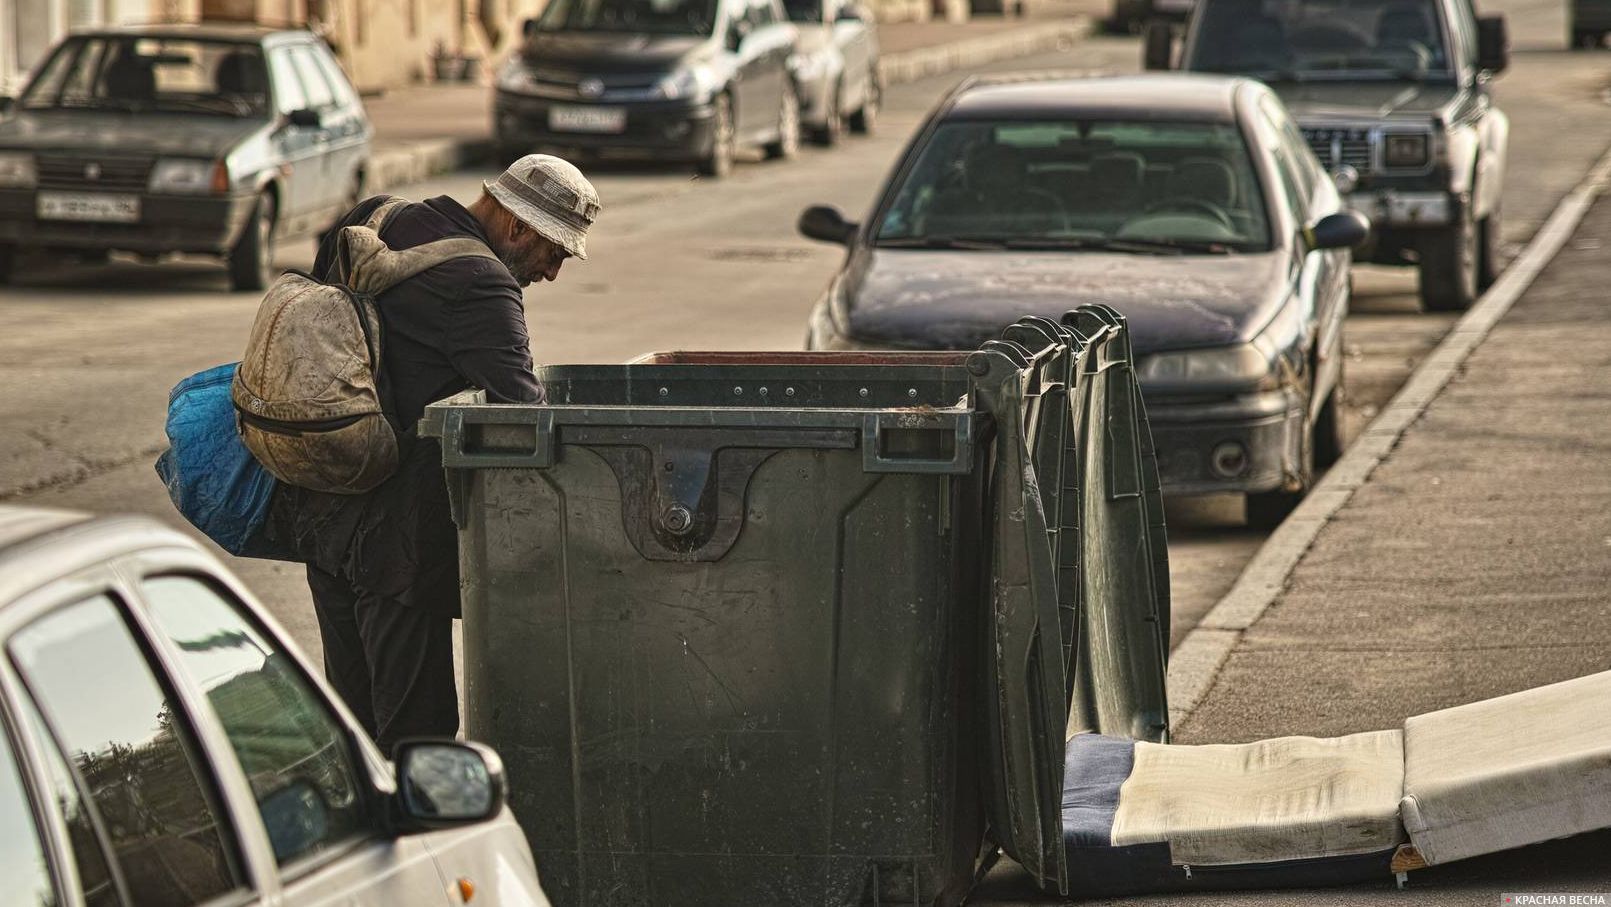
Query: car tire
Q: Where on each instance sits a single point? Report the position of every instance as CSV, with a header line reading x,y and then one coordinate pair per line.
x,y
8,263
866,116
1488,253
252,259
788,140
718,162
832,129
1449,268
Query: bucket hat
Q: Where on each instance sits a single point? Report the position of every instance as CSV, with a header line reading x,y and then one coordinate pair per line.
x,y
551,196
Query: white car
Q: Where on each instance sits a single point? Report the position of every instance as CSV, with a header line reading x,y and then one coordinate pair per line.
x,y
161,742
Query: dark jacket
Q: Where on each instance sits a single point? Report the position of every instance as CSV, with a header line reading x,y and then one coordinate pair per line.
x,y
456,326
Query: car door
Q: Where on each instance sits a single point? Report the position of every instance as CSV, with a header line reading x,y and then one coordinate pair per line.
x,y
34,871
338,133
351,130
297,147
142,813
308,773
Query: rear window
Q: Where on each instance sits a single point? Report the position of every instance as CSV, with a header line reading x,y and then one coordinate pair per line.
x,y
1081,184
138,74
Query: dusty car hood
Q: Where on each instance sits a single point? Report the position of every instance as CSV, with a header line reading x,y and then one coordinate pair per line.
x,y
1365,100
957,300
115,131
610,52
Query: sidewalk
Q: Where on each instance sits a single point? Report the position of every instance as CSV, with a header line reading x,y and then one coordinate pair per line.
x,y
420,132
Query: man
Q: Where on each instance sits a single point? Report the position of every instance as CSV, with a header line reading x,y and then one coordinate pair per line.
x,y
383,566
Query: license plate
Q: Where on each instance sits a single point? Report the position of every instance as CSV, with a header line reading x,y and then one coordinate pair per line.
x,y
587,119
89,206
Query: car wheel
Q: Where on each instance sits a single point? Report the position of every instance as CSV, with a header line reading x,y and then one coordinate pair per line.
x,y
252,259
1449,265
719,162
8,263
1490,231
863,120
833,129
788,140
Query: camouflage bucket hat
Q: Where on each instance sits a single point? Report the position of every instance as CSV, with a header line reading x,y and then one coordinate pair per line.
x,y
551,196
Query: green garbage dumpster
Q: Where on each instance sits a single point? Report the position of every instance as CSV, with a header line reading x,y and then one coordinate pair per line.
x,y
803,628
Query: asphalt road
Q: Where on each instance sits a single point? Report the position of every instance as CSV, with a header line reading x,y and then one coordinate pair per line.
x,y
87,353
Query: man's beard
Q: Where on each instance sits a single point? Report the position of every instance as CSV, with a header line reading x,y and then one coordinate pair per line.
x,y
514,268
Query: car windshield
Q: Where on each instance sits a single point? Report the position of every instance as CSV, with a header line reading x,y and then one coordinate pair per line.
x,y
139,74
653,17
804,10
1092,185
1292,40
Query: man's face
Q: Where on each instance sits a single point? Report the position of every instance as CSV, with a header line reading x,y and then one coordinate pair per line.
x,y
531,257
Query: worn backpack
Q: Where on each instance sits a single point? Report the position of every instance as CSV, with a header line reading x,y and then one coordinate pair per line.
x,y
308,391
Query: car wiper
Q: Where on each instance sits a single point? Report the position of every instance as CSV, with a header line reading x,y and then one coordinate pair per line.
x,y
232,106
1170,246
971,243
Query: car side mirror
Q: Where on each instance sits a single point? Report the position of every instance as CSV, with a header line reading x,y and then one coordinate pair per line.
x,y
1343,230
1493,44
306,117
1158,46
528,28
445,783
825,223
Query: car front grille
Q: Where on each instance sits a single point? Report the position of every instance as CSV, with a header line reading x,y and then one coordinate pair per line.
x,y
80,172
1337,146
563,85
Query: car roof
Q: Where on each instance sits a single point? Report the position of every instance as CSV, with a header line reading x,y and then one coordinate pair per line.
x,y
1153,96
241,34
39,546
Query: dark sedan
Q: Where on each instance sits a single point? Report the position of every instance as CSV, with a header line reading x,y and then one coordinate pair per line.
x,y
665,80
1192,204
213,140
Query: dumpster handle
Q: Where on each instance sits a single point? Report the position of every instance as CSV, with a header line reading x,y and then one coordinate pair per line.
x,y
874,459
541,455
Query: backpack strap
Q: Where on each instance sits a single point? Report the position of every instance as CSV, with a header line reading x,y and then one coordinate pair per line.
x,y
382,215
372,267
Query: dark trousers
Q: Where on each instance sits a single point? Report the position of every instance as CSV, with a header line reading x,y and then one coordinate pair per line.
x,y
393,664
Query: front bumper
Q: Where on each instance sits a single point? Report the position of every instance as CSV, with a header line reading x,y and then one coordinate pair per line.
x,y
168,223
1268,427
655,130
1404,210
814,95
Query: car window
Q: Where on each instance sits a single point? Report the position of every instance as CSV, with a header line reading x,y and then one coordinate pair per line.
x,y
315,84
293,750
288,93
1320,39
85,836
129,742
654,17
23,864
1290,153
1080,184
764,13
804,10
140,74
334,75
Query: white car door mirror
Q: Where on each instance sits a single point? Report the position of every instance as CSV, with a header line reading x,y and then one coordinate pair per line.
x,y
443,783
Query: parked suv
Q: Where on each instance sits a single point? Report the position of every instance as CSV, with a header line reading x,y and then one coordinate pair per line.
x,y
162,743
678,80
1393,96
213,139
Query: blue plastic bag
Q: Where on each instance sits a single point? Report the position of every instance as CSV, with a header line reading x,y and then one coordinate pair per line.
x,y
211,476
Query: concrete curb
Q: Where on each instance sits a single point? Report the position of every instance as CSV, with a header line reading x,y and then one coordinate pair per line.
x,y
912,65
399,164
1196,662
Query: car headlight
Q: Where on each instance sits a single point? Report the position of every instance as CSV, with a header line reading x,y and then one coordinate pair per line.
x,y
17,170
1244,364
185,176
684,83
514,76
1406,150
